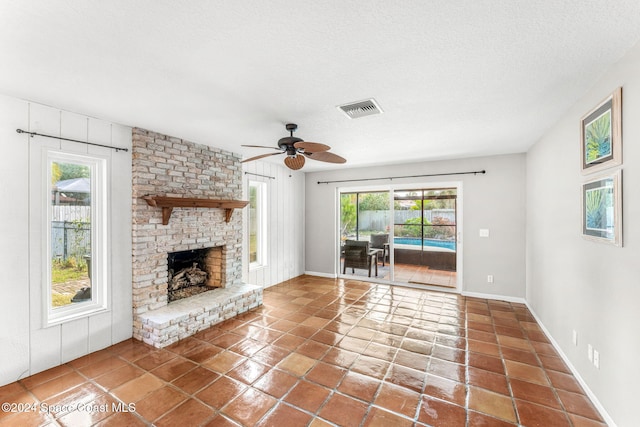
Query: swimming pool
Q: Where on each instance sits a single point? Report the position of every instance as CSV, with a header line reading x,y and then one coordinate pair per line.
x,y
446,244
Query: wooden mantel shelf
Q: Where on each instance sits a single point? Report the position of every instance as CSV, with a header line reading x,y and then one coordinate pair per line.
x,y
168,203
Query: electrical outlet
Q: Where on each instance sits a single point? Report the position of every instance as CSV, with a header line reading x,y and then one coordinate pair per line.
x,y
575,337
596,359
490,278
590,352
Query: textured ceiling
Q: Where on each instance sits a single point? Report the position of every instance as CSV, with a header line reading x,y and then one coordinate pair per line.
x,y
454,78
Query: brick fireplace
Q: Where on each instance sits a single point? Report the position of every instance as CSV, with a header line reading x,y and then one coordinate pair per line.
x,y
167,166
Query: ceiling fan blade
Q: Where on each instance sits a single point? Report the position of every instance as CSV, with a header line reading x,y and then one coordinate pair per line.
x,y
261,156
326,157
313,147
261,146
294,163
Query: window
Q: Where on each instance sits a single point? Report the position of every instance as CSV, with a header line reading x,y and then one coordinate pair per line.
x,y
76,224
257,224
363,214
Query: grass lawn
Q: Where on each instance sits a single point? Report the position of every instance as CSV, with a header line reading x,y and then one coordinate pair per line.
x,y
65,272
59,300
62,273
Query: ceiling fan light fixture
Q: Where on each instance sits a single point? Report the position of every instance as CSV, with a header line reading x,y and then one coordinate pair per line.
x,y
296,149
294,163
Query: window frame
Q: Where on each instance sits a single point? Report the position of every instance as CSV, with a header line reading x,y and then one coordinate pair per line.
x,y
261,224
98,165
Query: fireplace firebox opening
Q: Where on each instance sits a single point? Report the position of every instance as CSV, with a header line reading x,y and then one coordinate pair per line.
x,y
193,272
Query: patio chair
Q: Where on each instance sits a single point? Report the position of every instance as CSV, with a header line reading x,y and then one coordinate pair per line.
x,y
358,255
380,242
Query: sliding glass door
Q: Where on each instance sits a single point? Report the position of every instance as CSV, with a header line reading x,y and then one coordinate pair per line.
x,y
409,234
425,230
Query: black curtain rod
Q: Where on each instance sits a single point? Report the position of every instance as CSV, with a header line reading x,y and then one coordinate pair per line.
x,y
257,174
32,134
406,176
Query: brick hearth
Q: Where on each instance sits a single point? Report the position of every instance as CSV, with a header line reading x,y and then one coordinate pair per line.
x,y
185,317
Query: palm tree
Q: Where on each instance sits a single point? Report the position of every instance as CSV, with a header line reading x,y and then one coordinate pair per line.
x,y
598,138
595,209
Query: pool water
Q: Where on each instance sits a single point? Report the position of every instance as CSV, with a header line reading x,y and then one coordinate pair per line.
x,y
447,244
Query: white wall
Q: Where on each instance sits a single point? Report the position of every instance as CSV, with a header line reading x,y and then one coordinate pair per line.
x,y
494,201
25,346
577,284
14,235
285,226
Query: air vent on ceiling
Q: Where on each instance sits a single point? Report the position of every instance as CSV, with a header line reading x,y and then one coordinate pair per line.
x,y
359,109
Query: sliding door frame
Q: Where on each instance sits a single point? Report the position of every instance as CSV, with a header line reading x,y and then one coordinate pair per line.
x,y
391,188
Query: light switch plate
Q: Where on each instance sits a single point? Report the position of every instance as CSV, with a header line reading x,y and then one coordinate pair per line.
x,y
484,232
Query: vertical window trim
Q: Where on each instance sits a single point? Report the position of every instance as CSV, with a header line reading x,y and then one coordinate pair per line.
x,y
99,302
261,211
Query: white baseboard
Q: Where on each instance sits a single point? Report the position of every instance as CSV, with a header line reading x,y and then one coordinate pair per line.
x,y
494,297
605,415
315,273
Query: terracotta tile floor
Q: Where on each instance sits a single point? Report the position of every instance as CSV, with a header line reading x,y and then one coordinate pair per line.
x,y
324,352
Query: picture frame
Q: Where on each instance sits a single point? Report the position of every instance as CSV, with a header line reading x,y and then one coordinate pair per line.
x,y
601,135
602,209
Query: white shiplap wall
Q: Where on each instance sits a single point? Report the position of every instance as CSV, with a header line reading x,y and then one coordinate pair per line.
x,y
285,223
26,347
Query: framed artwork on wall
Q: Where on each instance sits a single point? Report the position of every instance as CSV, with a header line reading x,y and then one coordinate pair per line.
x,y
602,209
601,135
